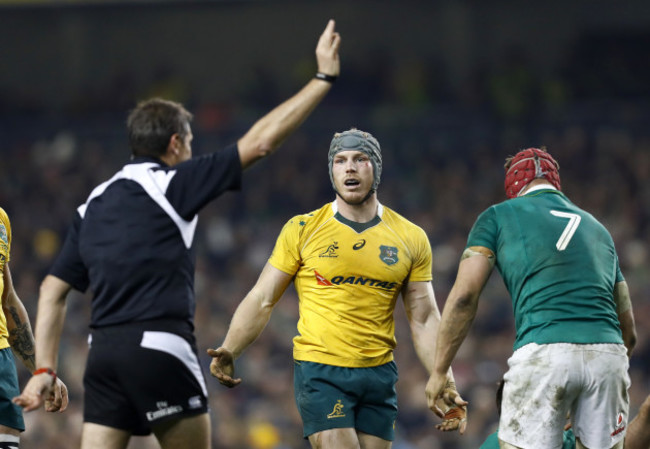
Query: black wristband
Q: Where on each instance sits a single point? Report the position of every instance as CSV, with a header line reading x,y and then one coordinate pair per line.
x,y
326,77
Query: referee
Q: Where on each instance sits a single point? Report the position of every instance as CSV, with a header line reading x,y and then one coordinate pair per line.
x,y
131,245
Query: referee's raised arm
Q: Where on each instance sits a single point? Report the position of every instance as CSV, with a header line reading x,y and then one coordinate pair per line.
x,y
266,135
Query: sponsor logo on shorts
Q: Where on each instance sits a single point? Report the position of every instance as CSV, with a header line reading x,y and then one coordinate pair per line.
x,y
194,402
620,424
163,410
338,411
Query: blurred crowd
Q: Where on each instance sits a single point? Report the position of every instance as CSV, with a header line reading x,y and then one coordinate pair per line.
x,y
443,149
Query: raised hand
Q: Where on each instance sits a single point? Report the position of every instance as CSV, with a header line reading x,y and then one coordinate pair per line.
x,y
327,51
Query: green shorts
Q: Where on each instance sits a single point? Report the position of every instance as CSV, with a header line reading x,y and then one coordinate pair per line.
x,y
334,397
10,414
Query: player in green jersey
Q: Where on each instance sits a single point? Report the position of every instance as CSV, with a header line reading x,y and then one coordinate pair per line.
x,y
349,261
573,315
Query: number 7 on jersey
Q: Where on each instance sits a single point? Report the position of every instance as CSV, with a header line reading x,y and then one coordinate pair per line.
x,y
569,230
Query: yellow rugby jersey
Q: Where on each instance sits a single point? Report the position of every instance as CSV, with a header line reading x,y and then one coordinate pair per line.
x,y
5,246
348,277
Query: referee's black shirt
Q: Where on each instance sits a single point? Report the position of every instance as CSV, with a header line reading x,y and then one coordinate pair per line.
x,y
131,242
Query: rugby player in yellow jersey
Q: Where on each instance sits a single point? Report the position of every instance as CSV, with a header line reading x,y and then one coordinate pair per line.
x,y
17,340
349,261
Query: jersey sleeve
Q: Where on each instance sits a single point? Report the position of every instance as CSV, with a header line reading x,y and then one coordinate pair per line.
x,y
286,253
5,238
201,179
68,265
421,270
484,232
619,273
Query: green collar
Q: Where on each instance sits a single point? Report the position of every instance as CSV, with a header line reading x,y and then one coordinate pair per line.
x,y
358,227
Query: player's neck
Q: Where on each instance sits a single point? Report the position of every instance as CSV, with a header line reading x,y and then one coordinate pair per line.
x,y
359,213
536,184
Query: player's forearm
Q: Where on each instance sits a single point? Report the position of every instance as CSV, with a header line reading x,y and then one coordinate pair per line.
x,y
247,324
625,315
49,321
423,334
461,305
21,337
457,318
266,135
628,330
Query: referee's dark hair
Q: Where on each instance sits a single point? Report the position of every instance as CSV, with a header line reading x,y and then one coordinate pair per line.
x,y
152,124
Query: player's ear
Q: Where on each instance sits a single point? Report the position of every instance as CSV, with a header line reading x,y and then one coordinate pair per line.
x,y
174,145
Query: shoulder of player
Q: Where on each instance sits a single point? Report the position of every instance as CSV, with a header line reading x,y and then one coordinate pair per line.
x,y
5,231
309,219
394,219
4,218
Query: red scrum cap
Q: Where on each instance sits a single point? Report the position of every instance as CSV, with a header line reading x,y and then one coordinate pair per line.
x,y
527,165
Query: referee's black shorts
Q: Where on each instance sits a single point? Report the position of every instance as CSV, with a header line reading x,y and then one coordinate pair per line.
x,y
140,374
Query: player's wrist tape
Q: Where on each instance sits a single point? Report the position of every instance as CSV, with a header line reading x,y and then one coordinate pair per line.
x,y
326,77
49,371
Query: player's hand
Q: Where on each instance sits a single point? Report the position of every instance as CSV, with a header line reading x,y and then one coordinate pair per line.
x,y
444,401
41,389
57,400
327,51
223,367
434,388
455,418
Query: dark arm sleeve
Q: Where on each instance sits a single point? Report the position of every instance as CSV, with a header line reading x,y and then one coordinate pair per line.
x,y
68,265
202,179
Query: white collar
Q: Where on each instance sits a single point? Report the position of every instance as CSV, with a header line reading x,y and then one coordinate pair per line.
x,y
544,186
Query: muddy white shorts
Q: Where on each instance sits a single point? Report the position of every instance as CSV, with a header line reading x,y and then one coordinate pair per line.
x,y
545,382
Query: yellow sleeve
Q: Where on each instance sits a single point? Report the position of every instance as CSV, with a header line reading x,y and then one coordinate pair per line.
x,y
286,253
5,238
421,271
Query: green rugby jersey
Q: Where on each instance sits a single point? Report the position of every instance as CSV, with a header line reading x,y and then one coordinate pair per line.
x,y
559,265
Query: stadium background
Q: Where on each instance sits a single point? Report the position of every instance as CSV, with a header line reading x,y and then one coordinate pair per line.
x,y
448,87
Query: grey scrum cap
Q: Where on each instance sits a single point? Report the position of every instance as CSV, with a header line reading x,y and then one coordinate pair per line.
x,y
355,139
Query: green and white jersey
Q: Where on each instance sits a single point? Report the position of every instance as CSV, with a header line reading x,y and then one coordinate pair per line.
x,y
559,265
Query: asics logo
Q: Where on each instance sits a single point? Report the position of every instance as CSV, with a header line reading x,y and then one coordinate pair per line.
x,y
360,244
